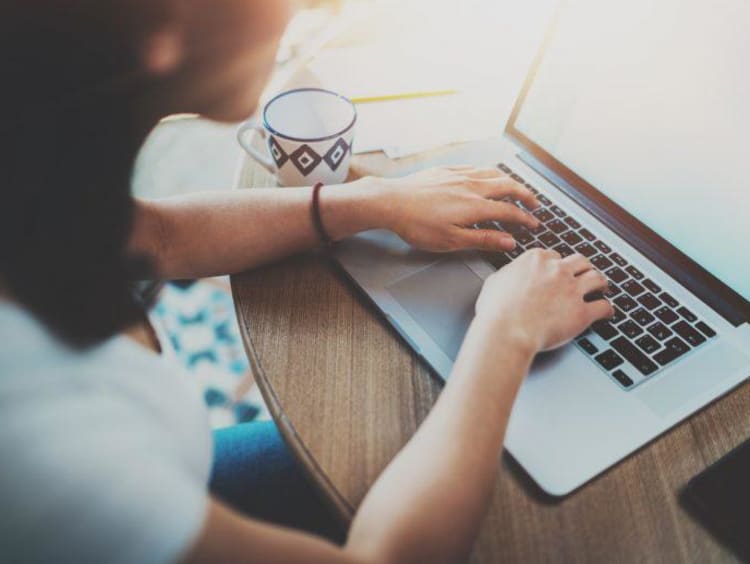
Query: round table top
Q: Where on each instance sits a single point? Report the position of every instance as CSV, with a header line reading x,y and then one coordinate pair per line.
x,y
347,394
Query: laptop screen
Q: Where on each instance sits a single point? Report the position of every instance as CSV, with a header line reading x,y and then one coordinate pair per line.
x,y
649,102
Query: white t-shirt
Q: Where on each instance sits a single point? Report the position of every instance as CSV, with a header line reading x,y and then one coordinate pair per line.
x,y
104,455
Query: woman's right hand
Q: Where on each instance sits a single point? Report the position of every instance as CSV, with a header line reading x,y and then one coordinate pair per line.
x,y
539,298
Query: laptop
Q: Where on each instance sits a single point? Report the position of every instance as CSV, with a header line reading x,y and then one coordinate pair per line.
x,y
632,129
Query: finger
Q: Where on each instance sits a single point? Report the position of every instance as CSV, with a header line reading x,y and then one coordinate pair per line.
x,y
459,168
599,309
506,213
484,173
543,254
498,188
578,264
592,281
485,240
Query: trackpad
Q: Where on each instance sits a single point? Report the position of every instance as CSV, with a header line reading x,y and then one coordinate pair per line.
x,y
441,300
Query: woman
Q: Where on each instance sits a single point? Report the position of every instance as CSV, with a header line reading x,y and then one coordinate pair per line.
x,y
106,454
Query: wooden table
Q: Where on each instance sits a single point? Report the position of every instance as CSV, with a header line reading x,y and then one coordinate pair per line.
x,y
347,394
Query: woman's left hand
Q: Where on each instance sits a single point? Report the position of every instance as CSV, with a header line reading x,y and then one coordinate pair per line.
x,y
436,209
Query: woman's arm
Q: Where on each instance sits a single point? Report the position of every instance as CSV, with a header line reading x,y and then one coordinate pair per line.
x,y
429,502
226,232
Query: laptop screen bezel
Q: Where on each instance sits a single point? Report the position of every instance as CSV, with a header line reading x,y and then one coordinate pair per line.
x,y
722,298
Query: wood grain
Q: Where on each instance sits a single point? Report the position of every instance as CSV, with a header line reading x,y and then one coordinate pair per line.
x,y
347,394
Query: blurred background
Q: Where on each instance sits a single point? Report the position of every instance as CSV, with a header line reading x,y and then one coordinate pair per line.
x,y
481,49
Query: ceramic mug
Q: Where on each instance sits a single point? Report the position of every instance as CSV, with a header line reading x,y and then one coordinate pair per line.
x,y
309,134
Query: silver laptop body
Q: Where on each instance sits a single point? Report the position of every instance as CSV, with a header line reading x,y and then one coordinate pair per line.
x,y
601,134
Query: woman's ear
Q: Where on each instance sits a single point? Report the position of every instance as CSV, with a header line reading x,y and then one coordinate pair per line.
x,y
163,51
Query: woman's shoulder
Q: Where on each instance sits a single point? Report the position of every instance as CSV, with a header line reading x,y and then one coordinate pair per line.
x,y
109,391
92,461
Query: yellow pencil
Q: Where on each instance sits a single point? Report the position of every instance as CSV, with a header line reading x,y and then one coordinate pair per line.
x,y
403,96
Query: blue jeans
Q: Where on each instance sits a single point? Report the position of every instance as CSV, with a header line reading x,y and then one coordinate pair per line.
x,y
255,473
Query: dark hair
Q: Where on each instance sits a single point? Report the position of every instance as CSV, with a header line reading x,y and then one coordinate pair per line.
x,y
67,110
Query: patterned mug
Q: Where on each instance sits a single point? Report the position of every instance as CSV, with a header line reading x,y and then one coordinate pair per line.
x,y
309,134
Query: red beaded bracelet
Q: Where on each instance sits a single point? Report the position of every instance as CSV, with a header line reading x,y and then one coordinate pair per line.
x,y
317,221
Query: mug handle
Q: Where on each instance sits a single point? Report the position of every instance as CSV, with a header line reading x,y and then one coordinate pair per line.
x,y
264,160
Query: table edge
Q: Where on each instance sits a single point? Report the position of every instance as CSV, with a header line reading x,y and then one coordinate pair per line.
x,y
343,509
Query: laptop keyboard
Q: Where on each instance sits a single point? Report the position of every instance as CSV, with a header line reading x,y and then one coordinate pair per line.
x,y
650,331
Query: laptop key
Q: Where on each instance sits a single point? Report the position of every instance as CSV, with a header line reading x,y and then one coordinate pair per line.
x,y
660,331
498,260
673,349
601,262
634,272
684,330
538,230
549,239
617,275
633,288
642,317
687,314
625,303
706,329
648,344
558,211
532,189
523,237
618,260
666,315
535,245
652,286
630,329
586,250
603,247
587,346
505,168
557,226
571,238
605,330
488,225
544,200
543,214
516,252
622,378
618,317
564,250
572,223
634,356
649,301
669,300
612,290
517,178
609,359
588,235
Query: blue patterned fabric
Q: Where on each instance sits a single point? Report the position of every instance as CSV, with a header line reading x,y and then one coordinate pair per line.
x,y
199,320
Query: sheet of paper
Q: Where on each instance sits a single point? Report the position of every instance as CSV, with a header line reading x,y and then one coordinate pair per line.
x,y
378,70
406,127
